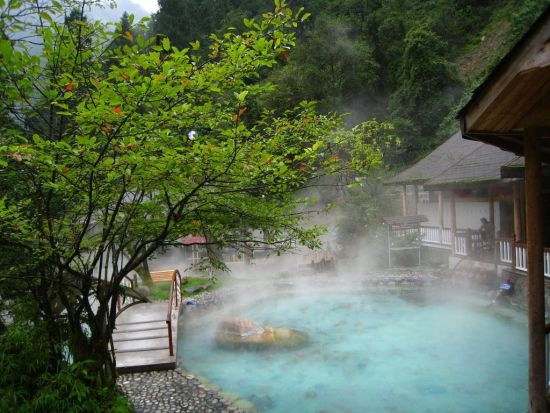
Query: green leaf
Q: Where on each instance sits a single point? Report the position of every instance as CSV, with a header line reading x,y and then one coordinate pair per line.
x,y
241,96
166,43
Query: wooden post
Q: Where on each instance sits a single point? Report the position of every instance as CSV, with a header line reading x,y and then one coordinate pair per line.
x,y
415,200
513,250
453,220
535,272
469,251
492,208
440,211
517,211
389,247
405,212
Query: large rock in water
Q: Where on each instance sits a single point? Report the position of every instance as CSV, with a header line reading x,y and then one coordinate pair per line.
x,y
240,333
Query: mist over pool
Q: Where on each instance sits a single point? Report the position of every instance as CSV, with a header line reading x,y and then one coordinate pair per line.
x,y
399,350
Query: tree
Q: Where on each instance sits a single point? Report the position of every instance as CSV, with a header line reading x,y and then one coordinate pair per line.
x,y
113,153
331,65
426,88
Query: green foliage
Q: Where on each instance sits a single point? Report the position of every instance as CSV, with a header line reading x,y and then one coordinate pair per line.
x,y
525,15
329,65
114,151
425,92
160,291
32,379
389,59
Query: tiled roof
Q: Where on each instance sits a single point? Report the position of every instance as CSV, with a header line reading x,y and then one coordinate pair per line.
x,y
483,164
445,155
457,161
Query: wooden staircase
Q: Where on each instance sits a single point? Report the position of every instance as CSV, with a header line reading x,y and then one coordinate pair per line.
x,y
141,339
145,335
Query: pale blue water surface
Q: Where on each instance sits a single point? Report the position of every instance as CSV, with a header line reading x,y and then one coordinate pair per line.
x,y
372,352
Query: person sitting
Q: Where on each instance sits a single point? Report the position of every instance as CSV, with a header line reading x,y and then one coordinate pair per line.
x,y
505,289
487,231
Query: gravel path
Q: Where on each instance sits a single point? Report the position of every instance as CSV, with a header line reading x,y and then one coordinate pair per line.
x,y
171,391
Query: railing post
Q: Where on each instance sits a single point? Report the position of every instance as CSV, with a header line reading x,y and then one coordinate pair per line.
x,y
170,344
468,242
513,250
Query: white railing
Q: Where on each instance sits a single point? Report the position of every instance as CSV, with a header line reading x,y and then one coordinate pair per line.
x,y
547,262
460,245
431,234
436,235
521,257
505,251
446,236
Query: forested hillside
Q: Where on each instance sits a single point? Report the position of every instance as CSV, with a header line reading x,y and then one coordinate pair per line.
x,y
408,61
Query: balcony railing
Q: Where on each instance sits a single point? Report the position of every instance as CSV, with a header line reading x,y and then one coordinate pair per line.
x,y
505,250
436,236
431,234
515,254
521,257
469,243
461,244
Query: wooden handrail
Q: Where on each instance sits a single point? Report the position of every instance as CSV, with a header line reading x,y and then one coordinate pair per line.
x,y
132,286
174,292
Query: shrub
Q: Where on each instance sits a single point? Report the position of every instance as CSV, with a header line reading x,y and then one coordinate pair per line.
x,y
31,382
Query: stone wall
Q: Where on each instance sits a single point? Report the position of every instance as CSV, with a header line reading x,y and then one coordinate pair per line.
x,y
520,288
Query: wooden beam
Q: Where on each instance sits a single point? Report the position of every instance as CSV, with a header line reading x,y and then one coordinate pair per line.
x,y
405,211
453,220
518,227
415,200
440,209
491,207
535,273
528,62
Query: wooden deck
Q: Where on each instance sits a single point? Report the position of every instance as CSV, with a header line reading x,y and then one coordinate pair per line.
x,y
141,338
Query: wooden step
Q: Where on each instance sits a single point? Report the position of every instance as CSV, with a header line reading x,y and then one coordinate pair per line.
x,y
140,335
143,344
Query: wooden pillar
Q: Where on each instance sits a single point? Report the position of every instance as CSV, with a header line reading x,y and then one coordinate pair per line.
x,y
415,200
535,272
453,220
491,207
441,215
518,230
405,213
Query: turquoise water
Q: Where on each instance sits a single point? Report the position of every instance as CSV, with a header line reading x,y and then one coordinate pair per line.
x,y
372,352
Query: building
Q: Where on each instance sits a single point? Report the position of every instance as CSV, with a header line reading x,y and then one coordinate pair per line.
x,y
511,110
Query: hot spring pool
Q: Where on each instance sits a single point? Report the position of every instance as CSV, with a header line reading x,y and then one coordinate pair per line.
x,y
371,352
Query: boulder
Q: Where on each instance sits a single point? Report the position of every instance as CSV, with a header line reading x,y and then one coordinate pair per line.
x,y
240,333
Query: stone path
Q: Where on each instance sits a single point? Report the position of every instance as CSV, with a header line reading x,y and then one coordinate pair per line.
x,y
172,391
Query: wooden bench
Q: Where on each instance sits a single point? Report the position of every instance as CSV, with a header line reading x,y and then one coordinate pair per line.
x,y
166,275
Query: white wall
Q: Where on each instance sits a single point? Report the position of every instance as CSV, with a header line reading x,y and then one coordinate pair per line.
x,y
468,213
